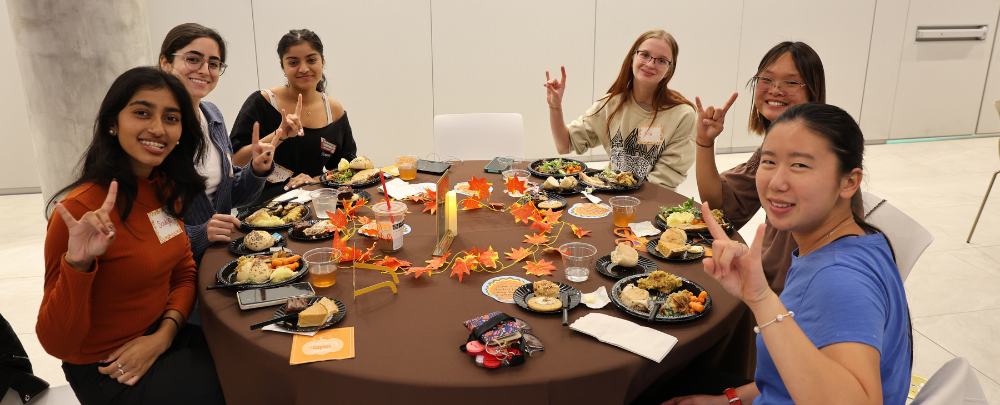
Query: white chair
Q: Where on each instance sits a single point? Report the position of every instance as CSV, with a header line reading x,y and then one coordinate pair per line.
x,y
61,395
908,238
478,136
988,189
955,383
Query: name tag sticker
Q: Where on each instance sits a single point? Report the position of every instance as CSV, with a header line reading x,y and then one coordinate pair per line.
x,y
279,175
165,226
650,135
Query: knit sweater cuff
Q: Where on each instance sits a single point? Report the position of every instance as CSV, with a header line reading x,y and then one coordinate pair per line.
x,y
199,238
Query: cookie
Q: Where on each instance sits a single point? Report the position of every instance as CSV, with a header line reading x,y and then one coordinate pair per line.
x,y
545,288
544,304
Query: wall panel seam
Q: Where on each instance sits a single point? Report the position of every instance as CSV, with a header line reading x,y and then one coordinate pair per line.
x,y
988,64
864,83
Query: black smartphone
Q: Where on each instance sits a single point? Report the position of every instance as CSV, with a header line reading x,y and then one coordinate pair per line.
x,y
265,297
496,166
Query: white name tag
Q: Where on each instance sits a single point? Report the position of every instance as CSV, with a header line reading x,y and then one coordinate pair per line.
x,y
165,226
650,135
279,175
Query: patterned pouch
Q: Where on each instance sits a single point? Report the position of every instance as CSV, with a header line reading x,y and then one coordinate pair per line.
x,y
494,326
622,161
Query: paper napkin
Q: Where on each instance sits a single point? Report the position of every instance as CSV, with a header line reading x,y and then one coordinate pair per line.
x,y
329,344
646,342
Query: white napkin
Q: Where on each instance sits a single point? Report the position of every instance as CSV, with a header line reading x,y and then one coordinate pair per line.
x,y
600,298
645,228
646,342
300,196
399,189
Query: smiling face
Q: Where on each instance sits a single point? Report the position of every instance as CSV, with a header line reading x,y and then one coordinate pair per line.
x,y
201,81
148,128
799,182
650,72
770,101
303,66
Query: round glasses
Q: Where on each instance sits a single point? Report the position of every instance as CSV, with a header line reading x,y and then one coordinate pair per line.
x,y
195,61
789,87
645,57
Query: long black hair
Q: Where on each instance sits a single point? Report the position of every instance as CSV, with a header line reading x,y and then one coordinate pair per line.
x,y
847,142
105,159
810,68
295,37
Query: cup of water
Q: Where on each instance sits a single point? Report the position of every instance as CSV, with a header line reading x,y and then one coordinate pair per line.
x,y
324,199
578,258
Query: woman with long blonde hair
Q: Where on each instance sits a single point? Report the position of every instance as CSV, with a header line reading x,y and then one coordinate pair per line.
x,y
643,125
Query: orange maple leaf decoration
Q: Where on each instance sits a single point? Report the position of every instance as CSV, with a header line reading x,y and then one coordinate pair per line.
x,y
579,232
338,220
370,231
431,204
552,216
541,268
437,262
550,249
542,226
488,258
339,245
536,239
523,212
392,263
364,220
418,271
473,252
480,187
461,267
517,254
351,206
358,256
514,185
472,203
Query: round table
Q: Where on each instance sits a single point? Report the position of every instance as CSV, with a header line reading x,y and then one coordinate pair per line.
x,y
407,344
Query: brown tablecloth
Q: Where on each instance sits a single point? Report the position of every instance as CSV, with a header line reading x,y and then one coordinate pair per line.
x,y
407,343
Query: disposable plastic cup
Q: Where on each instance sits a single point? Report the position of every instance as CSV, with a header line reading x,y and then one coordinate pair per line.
x,y
324,199
322,264
521,175
512,162
389,223
407,165
578,258
623,210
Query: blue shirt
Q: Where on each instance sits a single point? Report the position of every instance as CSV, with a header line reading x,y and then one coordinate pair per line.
x,y
847,291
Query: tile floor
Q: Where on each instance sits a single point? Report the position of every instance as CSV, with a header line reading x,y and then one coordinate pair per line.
x,y
940,184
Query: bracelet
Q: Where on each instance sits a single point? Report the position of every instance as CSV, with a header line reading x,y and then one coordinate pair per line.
x,y
732,396
780,318
703,146
159,321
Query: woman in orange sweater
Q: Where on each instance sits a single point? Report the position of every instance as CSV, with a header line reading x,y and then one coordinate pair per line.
x,y
119,274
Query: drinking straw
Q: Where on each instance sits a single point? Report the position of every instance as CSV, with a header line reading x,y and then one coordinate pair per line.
x,y
388,205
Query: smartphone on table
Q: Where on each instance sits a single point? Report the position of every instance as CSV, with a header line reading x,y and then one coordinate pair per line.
x,y
265,297
497,165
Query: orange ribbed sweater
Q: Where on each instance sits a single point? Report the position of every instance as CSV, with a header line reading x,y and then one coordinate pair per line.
x,y
86,316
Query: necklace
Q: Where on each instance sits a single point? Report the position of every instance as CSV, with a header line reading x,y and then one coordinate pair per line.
x,y
845,223
288,92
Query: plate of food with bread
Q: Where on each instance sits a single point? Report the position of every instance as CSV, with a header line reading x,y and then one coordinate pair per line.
x,y
688,217
543,296
568,185
256,242
623,262
558,168
275,216
682,299
312,230
673,245
315,313
266,269
610,180
546,201
358,173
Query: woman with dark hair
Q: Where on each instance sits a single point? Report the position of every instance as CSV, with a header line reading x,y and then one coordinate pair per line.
x,y
840,332
318,133
115,304
196,55
644,126
791,73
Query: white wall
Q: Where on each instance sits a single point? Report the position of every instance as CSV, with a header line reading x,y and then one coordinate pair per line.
x,y
395,65
18,164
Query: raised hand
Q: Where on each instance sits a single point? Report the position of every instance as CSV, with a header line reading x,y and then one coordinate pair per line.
x,y
710,121
263,152
555,89
734,265
91,235
292,124
220,227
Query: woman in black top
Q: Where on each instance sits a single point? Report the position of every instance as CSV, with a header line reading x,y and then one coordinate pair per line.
x,y
312,129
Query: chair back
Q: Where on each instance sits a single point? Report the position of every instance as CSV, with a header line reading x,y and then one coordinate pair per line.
x,y
908,238
478,136
955,383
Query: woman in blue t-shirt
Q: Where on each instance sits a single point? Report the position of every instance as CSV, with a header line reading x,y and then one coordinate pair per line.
x,y
840,332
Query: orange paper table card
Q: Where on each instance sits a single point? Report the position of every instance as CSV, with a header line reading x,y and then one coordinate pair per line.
x,y
330,344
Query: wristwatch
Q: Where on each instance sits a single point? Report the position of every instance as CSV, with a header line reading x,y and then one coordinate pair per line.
x,y
733,398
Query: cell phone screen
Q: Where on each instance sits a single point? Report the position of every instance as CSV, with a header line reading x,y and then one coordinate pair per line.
x,y
496,166
259,295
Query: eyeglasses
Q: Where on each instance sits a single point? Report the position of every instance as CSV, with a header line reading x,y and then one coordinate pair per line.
x,y
196,61
659,62
788,87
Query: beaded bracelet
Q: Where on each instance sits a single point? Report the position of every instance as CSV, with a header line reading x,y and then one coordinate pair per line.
x,y
780,318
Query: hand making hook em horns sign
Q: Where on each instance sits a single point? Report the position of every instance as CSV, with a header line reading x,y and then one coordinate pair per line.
x,y
90,235
263,152
710,121
734,265
555,89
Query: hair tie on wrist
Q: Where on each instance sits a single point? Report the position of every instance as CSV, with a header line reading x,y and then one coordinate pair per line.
x,y
703,146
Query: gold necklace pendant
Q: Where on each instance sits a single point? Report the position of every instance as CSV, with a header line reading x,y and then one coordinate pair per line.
x,y
309,113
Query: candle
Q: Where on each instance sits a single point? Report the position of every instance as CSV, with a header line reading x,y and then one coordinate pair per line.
x,y
451,211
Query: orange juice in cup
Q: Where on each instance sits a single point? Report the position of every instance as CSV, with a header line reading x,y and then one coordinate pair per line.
x,y
322,264
623,210
407,166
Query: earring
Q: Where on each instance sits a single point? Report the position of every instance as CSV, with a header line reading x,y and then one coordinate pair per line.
x,y
111,132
